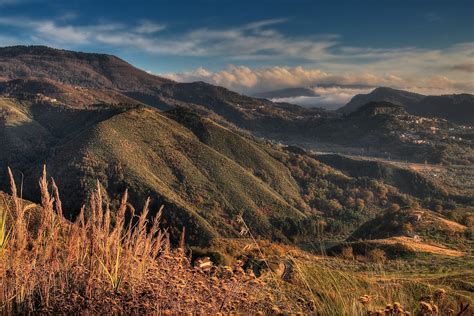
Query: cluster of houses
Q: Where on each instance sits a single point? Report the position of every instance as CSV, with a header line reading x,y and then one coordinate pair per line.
x,y
43,98
427,126
410,138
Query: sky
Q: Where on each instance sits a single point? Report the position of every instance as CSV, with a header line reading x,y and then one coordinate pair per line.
x,y
338,48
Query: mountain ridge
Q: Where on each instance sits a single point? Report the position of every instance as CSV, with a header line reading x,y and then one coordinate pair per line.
x,y
458,108
286,93
76,68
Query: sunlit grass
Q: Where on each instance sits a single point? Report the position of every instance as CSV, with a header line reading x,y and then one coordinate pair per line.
x,y
120,261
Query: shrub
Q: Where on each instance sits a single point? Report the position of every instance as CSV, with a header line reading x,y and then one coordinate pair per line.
x,y
376,256
360,204
334,206
394,207
347,253
407,228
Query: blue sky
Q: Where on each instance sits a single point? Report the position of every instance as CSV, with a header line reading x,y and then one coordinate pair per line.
x,y
251,46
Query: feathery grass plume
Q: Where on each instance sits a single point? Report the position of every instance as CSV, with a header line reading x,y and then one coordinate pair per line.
x,y
16,200
4,231
53,257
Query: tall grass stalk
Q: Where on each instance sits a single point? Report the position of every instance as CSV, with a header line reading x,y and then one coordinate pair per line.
x,y
4,231
44,257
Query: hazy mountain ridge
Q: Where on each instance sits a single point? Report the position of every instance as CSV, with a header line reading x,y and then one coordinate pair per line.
x,y
286,93
386,94
458,108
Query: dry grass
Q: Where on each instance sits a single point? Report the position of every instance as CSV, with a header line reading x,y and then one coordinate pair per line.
x,y
415,246
108,261
331,290
116,261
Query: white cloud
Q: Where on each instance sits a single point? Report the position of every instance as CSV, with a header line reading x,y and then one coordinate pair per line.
x,y
253,40
249,42
148,27
58,32
325,58
63,33
247,80
328,97
262,23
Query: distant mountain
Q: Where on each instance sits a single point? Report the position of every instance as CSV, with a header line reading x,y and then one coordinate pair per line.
x,y
228,107
92,117
286,93
74,68
394,96
91,72
387,130
457,108
40,74
378,108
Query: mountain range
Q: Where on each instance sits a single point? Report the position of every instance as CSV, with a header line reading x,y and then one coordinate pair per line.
x,y
212,156
457,108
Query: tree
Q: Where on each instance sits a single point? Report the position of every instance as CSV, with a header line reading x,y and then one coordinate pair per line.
x,y
334,205
360,204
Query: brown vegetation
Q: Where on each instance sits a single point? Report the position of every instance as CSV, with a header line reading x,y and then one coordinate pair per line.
x,y
108,261
115,261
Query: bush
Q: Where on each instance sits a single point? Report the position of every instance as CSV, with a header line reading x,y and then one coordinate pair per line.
x,y
376,256
394,207
347,252
407,228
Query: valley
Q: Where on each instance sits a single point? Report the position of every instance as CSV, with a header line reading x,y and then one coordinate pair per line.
x,y
302,203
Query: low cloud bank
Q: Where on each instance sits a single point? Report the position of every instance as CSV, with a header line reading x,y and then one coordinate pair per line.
x,y
330,98
334,89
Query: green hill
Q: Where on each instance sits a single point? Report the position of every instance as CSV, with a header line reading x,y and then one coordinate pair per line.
x,y
205,175
203,189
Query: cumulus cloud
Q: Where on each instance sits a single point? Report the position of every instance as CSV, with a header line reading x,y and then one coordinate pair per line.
x,y
245,79
343,85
